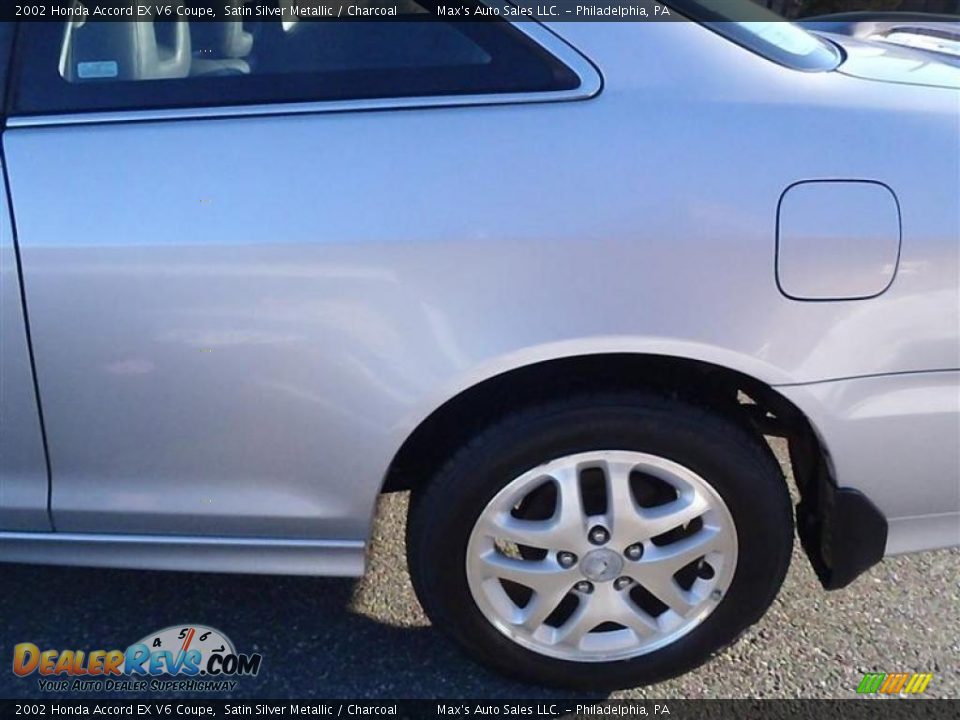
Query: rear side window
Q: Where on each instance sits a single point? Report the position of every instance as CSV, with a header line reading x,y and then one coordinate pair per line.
x,y
241,58
6,41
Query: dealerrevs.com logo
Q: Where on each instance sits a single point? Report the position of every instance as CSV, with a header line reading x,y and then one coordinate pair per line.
x,y
188,658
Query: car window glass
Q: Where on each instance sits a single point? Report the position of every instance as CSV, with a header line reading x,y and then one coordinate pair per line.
x,y
96,51
6,41
93,64
762,31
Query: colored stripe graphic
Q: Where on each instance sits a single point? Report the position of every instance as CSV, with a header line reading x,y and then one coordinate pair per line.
x,y
918,683
870,683
894,683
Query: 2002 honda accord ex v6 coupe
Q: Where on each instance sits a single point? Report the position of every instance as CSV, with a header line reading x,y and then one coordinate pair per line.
x,y
560,281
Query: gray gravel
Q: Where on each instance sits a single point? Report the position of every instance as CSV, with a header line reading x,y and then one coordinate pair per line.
x,y
337,638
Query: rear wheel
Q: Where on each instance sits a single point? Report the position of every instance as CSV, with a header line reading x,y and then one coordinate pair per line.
x,y
602,542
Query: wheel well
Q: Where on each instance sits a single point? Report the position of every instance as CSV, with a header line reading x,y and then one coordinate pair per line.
x,y
739,397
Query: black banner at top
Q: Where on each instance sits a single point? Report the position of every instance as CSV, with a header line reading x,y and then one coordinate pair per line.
x,y
893,709
406,10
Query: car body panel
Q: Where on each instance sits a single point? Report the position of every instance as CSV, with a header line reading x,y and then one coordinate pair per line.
x,y
892,437
895,64
238,318
186,553
23,467
935,36
837,240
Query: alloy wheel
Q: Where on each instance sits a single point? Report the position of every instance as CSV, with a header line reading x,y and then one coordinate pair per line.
x,y
601,556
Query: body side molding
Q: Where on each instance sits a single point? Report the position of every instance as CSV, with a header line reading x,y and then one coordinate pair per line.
x,y
340,558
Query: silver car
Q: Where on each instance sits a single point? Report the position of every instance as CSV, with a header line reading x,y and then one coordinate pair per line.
x,y
559,280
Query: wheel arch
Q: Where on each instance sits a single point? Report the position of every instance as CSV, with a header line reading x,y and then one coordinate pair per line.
x,y
842,532
734,393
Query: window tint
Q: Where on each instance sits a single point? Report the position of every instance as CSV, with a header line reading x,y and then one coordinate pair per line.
x,y
6,41
88,64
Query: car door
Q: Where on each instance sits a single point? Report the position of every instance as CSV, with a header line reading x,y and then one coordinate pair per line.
x,y
212,217
23,468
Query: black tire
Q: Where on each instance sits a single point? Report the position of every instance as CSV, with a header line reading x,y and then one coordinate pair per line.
x,y
734,460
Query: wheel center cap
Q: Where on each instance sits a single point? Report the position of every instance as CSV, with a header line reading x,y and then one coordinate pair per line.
x,y
601,565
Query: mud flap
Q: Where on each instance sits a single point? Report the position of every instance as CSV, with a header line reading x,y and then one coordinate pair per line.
x,y
844,534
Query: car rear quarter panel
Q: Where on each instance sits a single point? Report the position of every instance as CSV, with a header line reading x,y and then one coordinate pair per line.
x,y
23,468
238,321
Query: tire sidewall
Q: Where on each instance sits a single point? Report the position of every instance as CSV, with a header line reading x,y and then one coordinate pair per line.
x,y
757,502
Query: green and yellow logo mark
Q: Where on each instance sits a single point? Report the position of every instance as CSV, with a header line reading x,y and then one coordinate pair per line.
x,y
894,683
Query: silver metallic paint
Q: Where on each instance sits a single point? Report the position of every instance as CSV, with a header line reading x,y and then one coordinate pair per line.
x,y
186,553
238,320
891,63
837,240
896,438
23,467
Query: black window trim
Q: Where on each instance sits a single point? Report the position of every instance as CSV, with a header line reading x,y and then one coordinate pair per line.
x,y
590,84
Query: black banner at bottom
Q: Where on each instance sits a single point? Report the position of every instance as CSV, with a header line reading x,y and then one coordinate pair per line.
x,y
460,708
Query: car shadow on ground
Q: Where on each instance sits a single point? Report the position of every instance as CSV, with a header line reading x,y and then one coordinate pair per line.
x,y
313,645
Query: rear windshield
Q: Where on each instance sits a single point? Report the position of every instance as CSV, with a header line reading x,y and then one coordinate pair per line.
x,y
764,32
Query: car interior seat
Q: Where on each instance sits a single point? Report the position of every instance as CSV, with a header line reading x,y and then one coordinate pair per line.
x,y
126,50
221,47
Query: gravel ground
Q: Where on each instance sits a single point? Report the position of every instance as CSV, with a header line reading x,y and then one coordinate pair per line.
x,y
338,638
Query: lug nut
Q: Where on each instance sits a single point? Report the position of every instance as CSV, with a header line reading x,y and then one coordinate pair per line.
x,y
566,559
599,535
634,552
584,587
622,583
